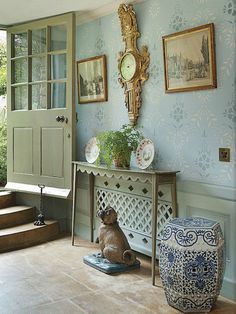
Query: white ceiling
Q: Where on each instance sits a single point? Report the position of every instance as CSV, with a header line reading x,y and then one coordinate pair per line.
x,y
17,11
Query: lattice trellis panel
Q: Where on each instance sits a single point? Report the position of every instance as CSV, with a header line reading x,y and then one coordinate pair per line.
x,y
134,212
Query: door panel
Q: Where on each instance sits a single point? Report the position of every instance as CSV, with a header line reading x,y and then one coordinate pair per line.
x,y
23,150
41,81
52,154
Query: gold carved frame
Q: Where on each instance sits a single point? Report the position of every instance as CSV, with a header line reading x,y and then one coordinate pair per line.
x,y
189,59
92,79
132,88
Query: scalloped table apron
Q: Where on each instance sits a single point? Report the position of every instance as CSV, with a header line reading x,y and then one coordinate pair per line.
x,y
192,263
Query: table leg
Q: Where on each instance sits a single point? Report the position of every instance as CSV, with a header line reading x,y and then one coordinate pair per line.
x,y
174,197
154,223
91,203
74,188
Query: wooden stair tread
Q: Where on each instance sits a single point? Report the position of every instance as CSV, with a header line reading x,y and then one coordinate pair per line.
x,y
14,209
17,229
7,199
16,215
25,228
3,193
25,235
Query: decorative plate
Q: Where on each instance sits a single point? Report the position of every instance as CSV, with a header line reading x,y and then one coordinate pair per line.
x,y
145,153
92,150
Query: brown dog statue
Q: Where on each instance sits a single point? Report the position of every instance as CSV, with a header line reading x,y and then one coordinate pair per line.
x,y
113,243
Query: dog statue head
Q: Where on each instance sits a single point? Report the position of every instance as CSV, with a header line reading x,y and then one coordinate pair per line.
x,y
107,215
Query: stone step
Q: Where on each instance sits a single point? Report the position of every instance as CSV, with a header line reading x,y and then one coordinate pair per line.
x,y
16,215
7,199
27,235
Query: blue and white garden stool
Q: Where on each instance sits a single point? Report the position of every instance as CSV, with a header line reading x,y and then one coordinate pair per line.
x,y
192,263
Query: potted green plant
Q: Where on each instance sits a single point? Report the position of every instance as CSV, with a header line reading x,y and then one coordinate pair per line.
x,y
118,145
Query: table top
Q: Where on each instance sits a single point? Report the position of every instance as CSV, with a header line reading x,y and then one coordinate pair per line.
x,y
131,173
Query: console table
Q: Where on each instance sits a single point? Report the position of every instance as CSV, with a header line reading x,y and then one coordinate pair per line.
x,y
152,176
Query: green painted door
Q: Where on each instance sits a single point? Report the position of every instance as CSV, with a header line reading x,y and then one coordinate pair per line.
x,y
41,117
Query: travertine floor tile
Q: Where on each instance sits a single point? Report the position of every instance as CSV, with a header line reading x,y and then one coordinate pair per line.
x,y
18,295
51,278
60,307
58,286
107,304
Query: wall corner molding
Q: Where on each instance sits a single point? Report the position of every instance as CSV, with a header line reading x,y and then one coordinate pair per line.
x,y
87,16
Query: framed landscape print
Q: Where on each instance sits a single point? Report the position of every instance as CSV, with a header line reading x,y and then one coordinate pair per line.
x,y
189,59
92,79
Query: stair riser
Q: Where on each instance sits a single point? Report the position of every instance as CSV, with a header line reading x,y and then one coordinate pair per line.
x,y
17,218
7,200
28,238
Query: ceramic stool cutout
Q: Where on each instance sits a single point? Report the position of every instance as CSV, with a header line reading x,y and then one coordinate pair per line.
x,y
192,263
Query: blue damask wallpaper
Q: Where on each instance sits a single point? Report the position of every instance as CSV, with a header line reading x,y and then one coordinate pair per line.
x,y
187,128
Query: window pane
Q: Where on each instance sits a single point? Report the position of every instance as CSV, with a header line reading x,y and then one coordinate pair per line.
x,y
58,95
58,37
20,70
20,44
58,66
38,69
39,96
38,41
20,97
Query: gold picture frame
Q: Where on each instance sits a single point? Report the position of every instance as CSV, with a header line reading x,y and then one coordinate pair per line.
x,y
92,79
189,59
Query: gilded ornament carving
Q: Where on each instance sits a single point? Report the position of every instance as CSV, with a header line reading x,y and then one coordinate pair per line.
x,y
132,63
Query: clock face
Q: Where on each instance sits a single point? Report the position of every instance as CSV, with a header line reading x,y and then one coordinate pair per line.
x,y
128,66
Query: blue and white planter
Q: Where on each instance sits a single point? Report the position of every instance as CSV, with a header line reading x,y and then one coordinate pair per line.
x,y
192,263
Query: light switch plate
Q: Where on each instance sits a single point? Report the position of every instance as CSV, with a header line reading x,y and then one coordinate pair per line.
x,y
224,154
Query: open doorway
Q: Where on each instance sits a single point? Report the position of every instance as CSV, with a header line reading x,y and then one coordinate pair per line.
x,y
3,109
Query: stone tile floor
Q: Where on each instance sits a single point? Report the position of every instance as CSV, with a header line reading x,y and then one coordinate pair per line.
x,y
52,278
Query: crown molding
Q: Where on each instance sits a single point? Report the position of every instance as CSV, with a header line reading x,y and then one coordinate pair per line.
x,y
84,17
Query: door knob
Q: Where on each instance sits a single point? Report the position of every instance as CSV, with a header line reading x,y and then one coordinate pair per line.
x,y
61,119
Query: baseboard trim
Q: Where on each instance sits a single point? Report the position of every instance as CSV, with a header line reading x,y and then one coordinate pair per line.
x,y
228,289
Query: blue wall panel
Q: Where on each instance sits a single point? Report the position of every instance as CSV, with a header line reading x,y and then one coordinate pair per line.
x,y
187,128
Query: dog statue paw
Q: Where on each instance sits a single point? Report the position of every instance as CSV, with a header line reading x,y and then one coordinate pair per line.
x,y
113,242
